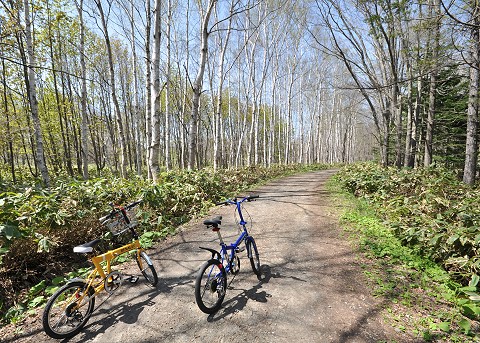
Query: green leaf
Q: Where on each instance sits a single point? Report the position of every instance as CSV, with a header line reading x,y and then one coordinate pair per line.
x,y
465,325
149,234
477,238
444,326
38,287
51,289
435,239
471,310
36,302
474,280
10,231
58,280
44,243
452,239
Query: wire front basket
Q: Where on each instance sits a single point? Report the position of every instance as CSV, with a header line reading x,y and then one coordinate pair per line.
x,y
117,223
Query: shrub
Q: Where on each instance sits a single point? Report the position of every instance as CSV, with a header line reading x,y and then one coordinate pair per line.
x,y
428,209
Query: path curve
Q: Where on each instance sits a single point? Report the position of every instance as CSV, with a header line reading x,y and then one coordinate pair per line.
x,y
312,288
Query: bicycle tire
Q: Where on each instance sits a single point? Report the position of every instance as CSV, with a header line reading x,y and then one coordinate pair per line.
x,y
210,286
253,256
146,267
68,322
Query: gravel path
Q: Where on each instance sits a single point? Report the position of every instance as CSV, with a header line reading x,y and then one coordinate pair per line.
x,y
312,288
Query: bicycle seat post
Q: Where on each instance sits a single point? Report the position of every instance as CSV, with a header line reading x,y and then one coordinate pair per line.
x,y
220,238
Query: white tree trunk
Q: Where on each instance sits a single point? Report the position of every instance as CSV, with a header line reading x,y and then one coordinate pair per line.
x,y
118,115
197,87
168,88
84,125
154,148
471,149
32,90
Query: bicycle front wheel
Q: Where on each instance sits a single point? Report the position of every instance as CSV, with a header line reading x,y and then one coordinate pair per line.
x,y
68,310
147,268
210,286
253,256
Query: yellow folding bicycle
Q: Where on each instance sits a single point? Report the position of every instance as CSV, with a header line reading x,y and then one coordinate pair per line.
x,y
69,309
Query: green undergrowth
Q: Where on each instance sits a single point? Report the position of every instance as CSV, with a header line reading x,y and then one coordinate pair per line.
x,y
392,219
39,227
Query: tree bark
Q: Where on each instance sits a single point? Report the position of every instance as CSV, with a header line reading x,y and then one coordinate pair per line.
x,y
197,87
471,149
32,95
221,80
148,87
428,156
84,125
118,115
155,93
168,89
136,106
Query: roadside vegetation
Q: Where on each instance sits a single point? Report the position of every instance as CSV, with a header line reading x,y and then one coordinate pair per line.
x,y
39,226
419,230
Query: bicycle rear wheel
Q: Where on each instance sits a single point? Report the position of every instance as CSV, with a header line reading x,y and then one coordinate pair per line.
x,y
253,255
210,286
147,268
68,310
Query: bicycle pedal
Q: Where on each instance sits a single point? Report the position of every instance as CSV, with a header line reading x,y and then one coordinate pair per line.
x,y
133,279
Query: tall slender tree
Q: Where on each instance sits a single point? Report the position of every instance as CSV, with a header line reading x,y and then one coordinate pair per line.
x,y
471,149
31,83
154,148
198,83
84,124
113,92
435,13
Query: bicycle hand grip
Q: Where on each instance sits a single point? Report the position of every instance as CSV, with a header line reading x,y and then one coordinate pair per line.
x,y
108,216
226,202
133,204
251,197
102,219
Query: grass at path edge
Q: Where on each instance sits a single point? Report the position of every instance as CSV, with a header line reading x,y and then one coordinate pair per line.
x,y
422,299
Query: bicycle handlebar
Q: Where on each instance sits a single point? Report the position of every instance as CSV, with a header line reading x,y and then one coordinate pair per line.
x,y
133,204
235,201
117,209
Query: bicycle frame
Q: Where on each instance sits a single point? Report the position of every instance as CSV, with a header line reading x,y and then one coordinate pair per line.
x,y
232,247
107,257
242,237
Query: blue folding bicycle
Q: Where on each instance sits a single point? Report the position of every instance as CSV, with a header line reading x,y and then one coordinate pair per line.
x,y
211,281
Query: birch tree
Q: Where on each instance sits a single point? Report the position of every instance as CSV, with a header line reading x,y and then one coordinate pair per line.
x,y
148,88
168,86
113,92
435,13
198,83
221,80
31,83
83,71
471,149
154,148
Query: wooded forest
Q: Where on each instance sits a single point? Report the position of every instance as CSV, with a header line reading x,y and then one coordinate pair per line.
x,y
136,87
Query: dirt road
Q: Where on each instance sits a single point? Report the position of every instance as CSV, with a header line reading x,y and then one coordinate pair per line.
x,y
312,288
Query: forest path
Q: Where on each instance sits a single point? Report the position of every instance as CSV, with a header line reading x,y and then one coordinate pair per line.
x,y
312,289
